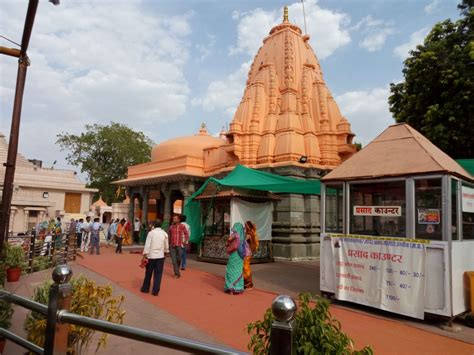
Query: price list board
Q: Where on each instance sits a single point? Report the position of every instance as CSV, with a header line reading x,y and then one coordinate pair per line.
x,y
386,273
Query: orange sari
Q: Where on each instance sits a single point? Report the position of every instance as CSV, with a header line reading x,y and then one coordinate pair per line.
x,y
251,238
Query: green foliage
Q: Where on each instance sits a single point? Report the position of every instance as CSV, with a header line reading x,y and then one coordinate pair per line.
x,y
104,152
6,310
14,256
436,97
41,263
89,300
316,332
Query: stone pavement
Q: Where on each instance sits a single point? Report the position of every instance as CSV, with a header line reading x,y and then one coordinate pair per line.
x,y
196,307
139,314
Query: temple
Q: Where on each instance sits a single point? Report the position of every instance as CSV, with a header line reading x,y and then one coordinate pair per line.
x,y
287,123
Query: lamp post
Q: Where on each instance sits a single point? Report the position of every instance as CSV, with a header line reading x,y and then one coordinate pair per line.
x,y
23,63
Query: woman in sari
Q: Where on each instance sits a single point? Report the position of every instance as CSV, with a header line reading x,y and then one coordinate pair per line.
x,y
127,236
234,280
251,246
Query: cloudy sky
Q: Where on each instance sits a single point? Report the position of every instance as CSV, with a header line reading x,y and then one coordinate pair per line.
x,y
164,67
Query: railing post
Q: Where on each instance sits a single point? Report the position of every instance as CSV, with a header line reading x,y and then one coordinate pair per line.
x,y
56,334
281,336
32,252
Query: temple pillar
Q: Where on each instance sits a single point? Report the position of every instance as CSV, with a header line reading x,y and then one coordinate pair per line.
x,y
12,218
131,206
145,197
168,207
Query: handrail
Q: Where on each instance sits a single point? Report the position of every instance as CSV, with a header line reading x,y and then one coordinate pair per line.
x,y
169,341
20,341
23,302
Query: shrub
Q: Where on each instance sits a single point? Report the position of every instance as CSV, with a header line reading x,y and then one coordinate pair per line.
x,y
89,300
6,310
41,263
316,332
14,256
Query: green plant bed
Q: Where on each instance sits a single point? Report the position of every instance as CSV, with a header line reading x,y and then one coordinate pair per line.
x,y
89,300
315,331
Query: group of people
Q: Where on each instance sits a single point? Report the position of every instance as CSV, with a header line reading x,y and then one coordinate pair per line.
x,y
241,244
158,244
87,234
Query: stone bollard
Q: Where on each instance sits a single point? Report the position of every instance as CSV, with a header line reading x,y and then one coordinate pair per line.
x,y
281,336
60,294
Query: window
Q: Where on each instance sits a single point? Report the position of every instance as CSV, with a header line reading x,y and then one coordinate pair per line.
x,y
428,209
378,209
333,209
454,209
218,220
467,202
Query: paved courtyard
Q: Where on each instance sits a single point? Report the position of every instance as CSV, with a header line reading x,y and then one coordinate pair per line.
x,y
196,307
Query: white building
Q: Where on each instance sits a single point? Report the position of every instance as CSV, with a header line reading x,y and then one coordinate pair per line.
x,y
41,193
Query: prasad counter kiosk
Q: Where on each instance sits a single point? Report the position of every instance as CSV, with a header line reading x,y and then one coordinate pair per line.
x,y
398,227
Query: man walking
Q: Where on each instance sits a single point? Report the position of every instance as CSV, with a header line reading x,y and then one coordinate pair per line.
x,y
86,234
136,230
112,232
156,246
185,247
95,237
177,234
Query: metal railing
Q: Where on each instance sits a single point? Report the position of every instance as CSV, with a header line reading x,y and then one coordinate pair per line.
x,y
58,317
40,255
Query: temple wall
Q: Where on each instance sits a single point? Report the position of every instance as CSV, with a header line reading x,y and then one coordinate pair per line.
x,y
296,221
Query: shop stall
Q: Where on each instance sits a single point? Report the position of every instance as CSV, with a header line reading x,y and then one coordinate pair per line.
x,y
398,227
243,195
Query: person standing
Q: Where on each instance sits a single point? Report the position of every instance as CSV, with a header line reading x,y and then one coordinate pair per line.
x,y
185,247
234,280
95,237
120,234
177,234
136,230
156,246
251,247
79,233
113,231
86,234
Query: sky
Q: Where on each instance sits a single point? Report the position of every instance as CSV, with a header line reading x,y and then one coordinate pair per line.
x,y
166,67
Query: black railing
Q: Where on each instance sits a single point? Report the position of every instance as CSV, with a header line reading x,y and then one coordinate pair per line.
x,y
58,319
56,332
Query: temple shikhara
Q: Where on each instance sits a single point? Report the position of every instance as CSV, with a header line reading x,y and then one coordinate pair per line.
x,y
287,123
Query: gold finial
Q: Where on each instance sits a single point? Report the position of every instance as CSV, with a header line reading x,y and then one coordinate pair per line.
x,y
203,125
285,14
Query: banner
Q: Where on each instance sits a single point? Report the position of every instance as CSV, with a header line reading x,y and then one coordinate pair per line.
x,y
381,211
259,213
386,273
467,199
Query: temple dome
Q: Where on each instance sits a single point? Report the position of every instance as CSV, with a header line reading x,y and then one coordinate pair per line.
x,y
185,146
287,112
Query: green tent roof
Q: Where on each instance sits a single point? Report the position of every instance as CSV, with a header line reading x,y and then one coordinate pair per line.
x,y
246,178
467,164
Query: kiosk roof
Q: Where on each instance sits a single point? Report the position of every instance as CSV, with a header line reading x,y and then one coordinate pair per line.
x,y
399,150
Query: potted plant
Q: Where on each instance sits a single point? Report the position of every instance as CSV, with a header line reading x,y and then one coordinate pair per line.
x,y
6,310
14,262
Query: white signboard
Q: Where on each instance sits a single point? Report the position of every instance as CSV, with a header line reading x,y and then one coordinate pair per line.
x,y
383,211
385,273
467,199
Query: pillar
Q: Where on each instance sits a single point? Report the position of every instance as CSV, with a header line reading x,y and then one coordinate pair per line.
x,y
131,206
145,198
167,211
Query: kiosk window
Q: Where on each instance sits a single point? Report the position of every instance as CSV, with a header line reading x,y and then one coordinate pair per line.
x,y
454,209
428,209
334,206
378,209
467,202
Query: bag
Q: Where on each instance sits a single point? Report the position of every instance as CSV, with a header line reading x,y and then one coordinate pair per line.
x,y
144,263
231,245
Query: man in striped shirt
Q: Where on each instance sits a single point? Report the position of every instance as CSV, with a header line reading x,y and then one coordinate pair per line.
x,y
179,237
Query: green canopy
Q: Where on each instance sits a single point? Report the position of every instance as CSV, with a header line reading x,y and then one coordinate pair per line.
x,y
246,178
467,164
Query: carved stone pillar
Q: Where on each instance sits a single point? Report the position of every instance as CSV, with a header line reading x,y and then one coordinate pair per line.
x,y
145,198
25,223
167,212
12,218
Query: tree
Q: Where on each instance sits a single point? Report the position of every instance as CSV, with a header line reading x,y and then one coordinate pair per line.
x,y
104,152
436,97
